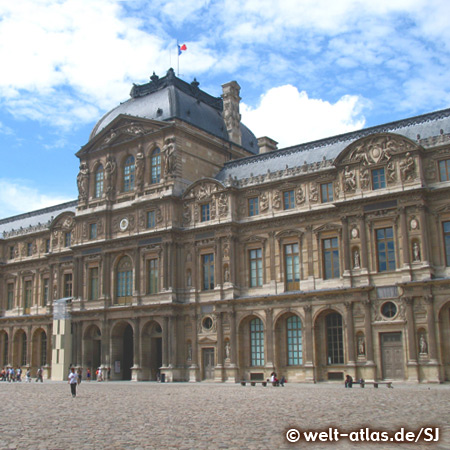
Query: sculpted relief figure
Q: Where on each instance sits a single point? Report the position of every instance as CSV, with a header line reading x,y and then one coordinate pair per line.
x,y
364,178
263,202
349,179
170,163
313,193
140,168
83,181
300,196
110,177
276,199
408,168
223,205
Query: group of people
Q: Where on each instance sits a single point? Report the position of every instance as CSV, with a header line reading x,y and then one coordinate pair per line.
x,y
12,375
275,381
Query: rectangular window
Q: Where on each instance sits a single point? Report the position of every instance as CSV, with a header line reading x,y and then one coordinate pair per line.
x,y
256,342
378,179
444,170
253,206
10,296
29,249
67,285
11,252
256,268
28,293
288,200
205,212
326,191
292,267
152,271
67,239
446,227
93,283
93,231
335,343
45,291
330,258
47,246
151,222
208,271
385,249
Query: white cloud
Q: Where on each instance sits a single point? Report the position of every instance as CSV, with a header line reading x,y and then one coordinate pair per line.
x,y
290,117
16,198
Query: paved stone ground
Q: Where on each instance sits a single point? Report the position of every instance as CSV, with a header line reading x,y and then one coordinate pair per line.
x,y
127,415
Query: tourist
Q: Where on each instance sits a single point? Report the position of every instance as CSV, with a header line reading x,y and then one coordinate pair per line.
x,y
88,374
348,381
73,379
282,381
80,374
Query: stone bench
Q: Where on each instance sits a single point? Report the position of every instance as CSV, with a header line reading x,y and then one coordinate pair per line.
x,y
253,382
376,383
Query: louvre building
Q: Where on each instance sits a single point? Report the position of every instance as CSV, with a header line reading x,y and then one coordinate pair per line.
x,y
196,251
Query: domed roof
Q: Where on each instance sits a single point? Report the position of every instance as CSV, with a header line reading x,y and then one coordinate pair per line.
x,y
171,98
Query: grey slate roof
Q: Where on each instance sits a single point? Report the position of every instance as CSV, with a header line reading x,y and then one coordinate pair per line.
x,y
416,128
169,98
34,221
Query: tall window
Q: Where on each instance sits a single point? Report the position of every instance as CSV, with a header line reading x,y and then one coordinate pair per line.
x,y
67,285
10,296
93,231
5,350
29,249
256,267
444,170
205,212
208,271
385,249
156,166
128,174
253,206
23,360
294,341
67,239
99,178
43,349
45,291
335,346
124,278
256,342
47,245
11,252
326,192
330,258
292,265
93,283
151,222
446,227
378,179
288,200
152,276
28,292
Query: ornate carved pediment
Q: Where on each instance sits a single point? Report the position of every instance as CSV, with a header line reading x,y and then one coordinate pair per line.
x,y
203,190
327,227
289,233
255,239
375,149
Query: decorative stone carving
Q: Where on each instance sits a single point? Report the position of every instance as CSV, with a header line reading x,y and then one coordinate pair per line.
x,y
423,345
414,224
83,182
300,196
110,136
226,249
223,205
170,162
361,345
158,215
134,129
187,215
408,168
276,200
313,193
431,170
391,172
364,179
110,177
204,191
356,259
416,251
263,202
140,170
349,180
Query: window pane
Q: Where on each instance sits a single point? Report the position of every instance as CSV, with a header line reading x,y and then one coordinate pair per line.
x,y
385,249
256,343
156,166
294,340
335,347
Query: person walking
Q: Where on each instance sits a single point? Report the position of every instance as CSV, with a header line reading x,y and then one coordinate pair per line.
x,y
73,379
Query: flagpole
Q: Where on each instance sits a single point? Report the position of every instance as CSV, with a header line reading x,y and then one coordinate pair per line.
x,y
178,59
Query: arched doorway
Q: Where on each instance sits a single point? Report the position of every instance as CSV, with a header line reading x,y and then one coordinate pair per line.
x,y
39,350
252,348
20,349
122,355
4,349
92,349
444,325
151,351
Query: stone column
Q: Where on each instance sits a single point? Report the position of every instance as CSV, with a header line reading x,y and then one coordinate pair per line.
x,y
345,244
350,333
29,342
233,339
218,370
405,240
269,339
105,345
272,257
166,266
218,266
362,230
309,232
136,369
10,346
173,341
431,325
370,372
425,240
309,352
194,369
412,365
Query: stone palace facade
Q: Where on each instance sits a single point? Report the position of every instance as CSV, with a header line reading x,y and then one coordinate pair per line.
x,y
197,252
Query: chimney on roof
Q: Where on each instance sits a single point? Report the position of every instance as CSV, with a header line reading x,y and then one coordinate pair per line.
x,y
231,115
266,144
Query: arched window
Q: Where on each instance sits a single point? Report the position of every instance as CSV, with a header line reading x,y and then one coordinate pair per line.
x,y
335,345
124,279
294,341
156,166
256,342
43,349
99,178
128,174
23,361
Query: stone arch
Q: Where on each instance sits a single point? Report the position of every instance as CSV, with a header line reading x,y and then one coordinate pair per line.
x,y
122,350
92,348
151,350
251,355
4,348
123,278
39,346
444,339
20,346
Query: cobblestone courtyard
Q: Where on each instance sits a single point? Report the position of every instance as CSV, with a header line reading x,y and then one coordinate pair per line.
x,y
126,415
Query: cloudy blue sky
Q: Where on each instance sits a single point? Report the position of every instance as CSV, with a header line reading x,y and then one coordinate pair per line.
x,y
307,69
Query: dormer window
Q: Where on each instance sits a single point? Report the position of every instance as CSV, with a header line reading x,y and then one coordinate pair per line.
x,y
205,212
128,174
378,179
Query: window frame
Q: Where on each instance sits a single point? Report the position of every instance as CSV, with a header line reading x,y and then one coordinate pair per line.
x,y
326,192
152,276
257,356
99,179
129,168
93,288
292,267
387,253
334,339
255,266
294,348
253,206
205,212
151,219
444,164
208,275
332,253
155,166
288,199
378,178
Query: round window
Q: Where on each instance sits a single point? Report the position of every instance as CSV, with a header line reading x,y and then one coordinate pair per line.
x,y
207,323
389,310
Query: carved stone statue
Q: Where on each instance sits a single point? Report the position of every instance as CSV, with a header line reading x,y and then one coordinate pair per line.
x,y
226,275
223,205
276,200
83,181
300,196
361,345
170,163
187,216
189,351
189,278
110,176
227,350
408,168
263,202
356,259
416,252
313,193
140,169
349,180
364,178
423,345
